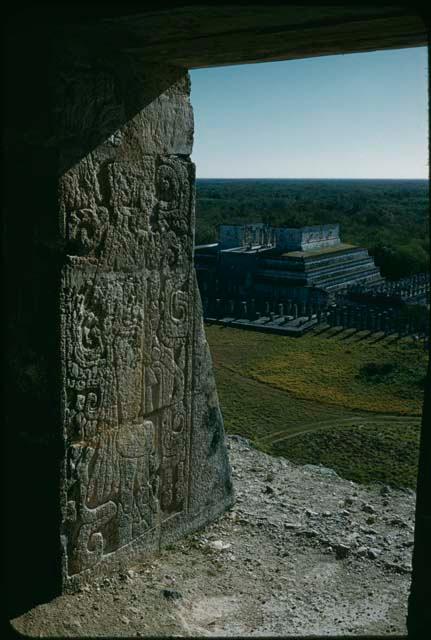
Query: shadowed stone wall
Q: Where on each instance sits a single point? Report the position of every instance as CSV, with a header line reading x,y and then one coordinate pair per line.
x,y
107,358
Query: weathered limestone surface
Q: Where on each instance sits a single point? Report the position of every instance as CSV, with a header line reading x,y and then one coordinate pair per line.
x,y
145,458
138,455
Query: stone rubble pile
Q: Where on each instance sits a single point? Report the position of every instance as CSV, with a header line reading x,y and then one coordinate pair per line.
x,y
338,515
302,552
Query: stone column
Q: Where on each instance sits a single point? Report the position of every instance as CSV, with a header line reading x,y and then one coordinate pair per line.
x,y
343,316
379,322
364,313
349,316
205,305
357,318
218,308
367,319
385,322
114,432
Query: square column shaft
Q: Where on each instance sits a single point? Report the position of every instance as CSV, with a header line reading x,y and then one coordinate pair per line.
x,y
114,432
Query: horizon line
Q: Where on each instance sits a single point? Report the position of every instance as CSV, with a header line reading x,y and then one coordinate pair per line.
x,y
279,178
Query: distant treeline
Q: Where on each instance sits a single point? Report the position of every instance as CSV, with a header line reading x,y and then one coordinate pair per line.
x,y
388,217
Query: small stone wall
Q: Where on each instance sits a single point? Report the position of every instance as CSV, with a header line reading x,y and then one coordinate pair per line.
x,y
307,238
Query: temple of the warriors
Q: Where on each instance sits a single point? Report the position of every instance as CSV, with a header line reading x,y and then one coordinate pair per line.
x,y
305,264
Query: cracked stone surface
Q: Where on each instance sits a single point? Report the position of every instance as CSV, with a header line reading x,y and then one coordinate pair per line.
x,y
302,551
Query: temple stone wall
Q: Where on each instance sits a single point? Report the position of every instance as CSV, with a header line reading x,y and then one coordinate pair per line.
x,y
231,235
307,238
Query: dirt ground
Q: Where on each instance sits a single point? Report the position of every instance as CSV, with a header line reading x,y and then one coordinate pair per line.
x,y
302,552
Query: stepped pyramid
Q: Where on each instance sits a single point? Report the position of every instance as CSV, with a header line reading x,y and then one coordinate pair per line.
x,y
307,263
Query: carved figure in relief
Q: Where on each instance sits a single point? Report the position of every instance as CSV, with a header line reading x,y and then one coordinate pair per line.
x,y
77,417
105,351
176,254
127,355
88,345
159,377
168,187
86,230
126,362
117,479
174,444
82,417
89,544
173,195
137,503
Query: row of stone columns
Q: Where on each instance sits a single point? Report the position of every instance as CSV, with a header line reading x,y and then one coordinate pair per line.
x,y
253,310
360,317
411,287
371,319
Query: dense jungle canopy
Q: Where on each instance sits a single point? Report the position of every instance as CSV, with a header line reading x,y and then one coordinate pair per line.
x,y
389,217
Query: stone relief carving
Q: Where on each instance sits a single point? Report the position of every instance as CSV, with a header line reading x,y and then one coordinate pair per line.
x,y
87,229
127,317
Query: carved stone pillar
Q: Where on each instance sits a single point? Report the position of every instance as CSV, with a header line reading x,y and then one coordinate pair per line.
x,y
113,413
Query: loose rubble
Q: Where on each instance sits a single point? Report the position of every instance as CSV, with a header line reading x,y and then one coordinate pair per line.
x,y
302,552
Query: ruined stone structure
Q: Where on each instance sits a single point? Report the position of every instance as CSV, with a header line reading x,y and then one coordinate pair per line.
x,y
306,264
307,238
373,314
114,438
232,236
411,290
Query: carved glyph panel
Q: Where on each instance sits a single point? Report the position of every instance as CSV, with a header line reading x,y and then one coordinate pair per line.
x,y
123,216
127,323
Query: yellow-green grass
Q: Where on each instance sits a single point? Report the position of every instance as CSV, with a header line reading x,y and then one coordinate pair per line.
x,y
274,390
258,411
352,374
369,453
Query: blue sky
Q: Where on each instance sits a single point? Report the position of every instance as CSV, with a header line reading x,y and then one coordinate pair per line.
x,y
360,115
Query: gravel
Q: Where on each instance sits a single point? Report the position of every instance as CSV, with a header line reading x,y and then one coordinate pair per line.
x,y
297,555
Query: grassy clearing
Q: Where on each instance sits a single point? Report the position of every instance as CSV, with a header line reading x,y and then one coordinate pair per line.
x,y
329,400
256,410
336,371
368,453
